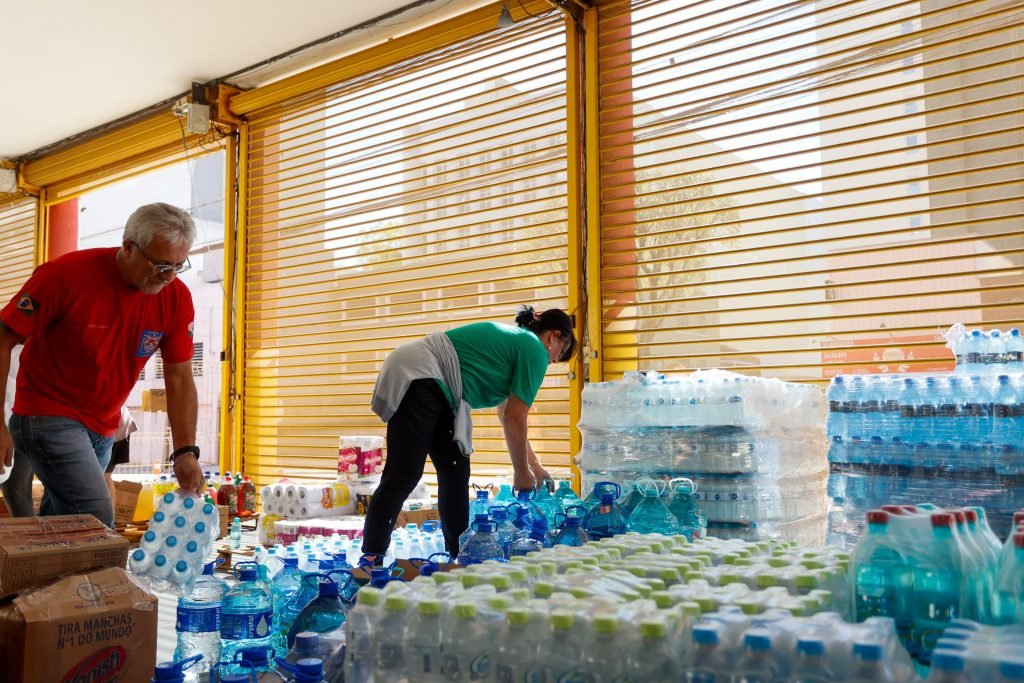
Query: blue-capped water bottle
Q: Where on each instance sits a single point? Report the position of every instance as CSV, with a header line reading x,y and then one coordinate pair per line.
x,y
309,670
605,519
482,545
327,612
570,531
283,586
247,613
693,523
198,621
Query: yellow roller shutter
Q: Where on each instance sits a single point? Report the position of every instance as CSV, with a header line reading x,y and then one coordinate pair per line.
x,y
797,189
412,197
17,243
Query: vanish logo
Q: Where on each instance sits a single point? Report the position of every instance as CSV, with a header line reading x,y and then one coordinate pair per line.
x,y
102,666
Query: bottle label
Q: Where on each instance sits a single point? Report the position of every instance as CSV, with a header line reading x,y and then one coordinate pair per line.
x,y
198,619
389,655
480,667
245,626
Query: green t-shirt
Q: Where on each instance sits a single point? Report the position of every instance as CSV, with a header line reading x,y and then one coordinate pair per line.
x,y
497,361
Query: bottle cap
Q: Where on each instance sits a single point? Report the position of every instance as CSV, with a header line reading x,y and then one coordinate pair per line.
x,y
139,555
517,616
561,621
464,610
431,606
810,646
1012,669
395,603
705,634
368,595
947,660
942,519
605,623
878,516
653,628
869,652
1018,540
758,639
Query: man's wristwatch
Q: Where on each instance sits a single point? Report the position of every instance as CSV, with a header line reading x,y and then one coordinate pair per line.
x,y
192,450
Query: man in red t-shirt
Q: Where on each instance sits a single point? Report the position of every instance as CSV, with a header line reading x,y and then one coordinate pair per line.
x,y
89,321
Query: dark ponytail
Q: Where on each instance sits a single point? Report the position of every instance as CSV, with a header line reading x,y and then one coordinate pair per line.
x,y
551,319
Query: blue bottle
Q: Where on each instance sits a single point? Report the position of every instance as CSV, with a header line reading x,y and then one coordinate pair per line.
x,y
937,585
633,498
565,495
1006,417
247,613
652,516
524,500
811,664
882,578
910,402
594,497
693,523
505,495
174,672
605,519
482,504
326,613
836,424
283,587
571,532
198,621
547,504
305,670
257,664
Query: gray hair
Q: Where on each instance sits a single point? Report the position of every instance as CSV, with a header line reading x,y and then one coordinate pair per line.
x,y
169,222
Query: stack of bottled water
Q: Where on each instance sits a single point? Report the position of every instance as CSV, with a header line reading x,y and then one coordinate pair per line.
x,y
173,551
928,567
572,613
980,653
978,352
751,445
954,439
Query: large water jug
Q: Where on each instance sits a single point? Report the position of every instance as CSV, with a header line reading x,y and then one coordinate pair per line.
x,y
283,587
247,613
482,545
571,531
547,504
504,530
326,613
505,495
565,494
633,497
475,520
605,519
594,497
533,515
652,516
693,523
482,504
536,539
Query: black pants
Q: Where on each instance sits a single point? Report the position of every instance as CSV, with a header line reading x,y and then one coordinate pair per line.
x,y
422,425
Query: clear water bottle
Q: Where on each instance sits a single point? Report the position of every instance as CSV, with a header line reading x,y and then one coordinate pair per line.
x,y
481,546
198,622
482,504
1006,418
706,663
504,530
423,636
390,642
247,613
653,658
652,516
937,581
949,667
811,666
836,395
757,665
467,646
530,542
882,579
1014,352
693,523
605,519
565,494
603,659
360,629
869,665
517,649
995,354
475,521
561,659
974,349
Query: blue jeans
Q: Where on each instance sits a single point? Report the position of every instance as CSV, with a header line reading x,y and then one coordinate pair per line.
x,y
69,459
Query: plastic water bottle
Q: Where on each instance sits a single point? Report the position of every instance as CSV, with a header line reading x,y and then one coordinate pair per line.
x,y
360,629
652,516
247,613
467,646
571,532
910,403
525,544
836,395
561,660
423,636
653,659
390,642
948,667
304,671
811,665
757,665
1005,417
603,658
974,347
257,663
693,523
706,663
517,649
1010,583
198,621
937,585
480,506
855,427
869,665
481,546
565,494
1014,352
505,532
505,495
324,614
283,586
235,534
882,578
605,519
995,355
475,520
175,672
978,410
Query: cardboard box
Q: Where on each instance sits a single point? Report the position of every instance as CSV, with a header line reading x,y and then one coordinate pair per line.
x,y
34,550
417,517
127,496
225,520
154,401
99,626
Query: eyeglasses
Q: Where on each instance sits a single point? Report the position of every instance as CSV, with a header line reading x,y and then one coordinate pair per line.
x,y
161,268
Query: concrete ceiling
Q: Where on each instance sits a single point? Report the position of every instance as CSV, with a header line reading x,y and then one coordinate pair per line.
x,y
72,66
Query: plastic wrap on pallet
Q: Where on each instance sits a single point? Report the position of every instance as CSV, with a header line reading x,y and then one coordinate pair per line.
x,y
951,439
754,447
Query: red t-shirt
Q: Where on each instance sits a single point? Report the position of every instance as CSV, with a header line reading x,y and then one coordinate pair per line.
x,y
88,335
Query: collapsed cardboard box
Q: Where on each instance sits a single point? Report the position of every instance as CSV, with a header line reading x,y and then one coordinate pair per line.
x,y
98,626
34,550
127,497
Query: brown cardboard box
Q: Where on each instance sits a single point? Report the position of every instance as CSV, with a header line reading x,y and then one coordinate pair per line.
x,y
225,520
154,400
416,516
34,550
99,626
124,504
